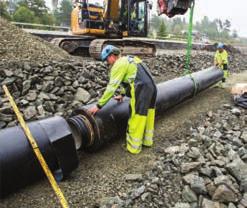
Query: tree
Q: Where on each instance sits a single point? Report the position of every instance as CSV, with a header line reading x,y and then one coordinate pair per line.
x,y
162,30
155,22
177,25
47,19
216,29
37,6
23,14
235,34
3,11
227,25
63,12
39,10
219,25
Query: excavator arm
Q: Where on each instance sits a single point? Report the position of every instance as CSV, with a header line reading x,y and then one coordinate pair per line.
x,y
173,7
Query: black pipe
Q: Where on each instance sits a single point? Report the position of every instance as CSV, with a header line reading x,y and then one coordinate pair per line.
x,y
175,91
111,121
18,163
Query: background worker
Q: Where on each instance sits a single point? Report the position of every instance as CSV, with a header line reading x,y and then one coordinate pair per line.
x,y
221,60
138,84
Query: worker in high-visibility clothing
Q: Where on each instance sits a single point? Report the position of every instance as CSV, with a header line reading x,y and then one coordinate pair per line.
x,y
133,75
221,60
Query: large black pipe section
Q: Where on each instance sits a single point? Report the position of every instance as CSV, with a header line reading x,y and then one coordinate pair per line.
x,y
18,163
58,142
90,133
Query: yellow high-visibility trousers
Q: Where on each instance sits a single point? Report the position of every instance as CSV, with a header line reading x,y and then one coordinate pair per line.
x,y
149,129
140,127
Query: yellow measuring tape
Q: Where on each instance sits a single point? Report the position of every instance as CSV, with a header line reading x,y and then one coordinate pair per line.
x,y
36,150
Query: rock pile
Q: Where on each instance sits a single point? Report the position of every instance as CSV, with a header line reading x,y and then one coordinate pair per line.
x,y
46,89
216,172
172,63
208,169
17,45
205,168
57,87
44,82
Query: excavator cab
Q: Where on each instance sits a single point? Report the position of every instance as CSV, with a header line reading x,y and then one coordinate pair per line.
x,y
137,18
173,7
111,18
126,17
107,22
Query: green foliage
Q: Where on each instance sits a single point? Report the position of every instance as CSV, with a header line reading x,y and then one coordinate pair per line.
x,y
38,9
23,14
207,27
47,19
162,30
37,6
176,25
216,30
3,11
62,13
234,34
172,26
155,22
243,41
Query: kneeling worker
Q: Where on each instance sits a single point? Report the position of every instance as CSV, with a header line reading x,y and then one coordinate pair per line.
x,y
137,84
221,60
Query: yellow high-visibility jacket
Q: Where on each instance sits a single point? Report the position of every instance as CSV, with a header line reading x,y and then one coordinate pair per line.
x,y
122,71
221,58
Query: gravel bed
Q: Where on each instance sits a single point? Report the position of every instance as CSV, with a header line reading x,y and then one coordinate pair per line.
x,y
200,153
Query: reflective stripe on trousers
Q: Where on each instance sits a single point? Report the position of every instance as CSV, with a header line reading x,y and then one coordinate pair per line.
x,y
136,127
140,127
149,129
226,73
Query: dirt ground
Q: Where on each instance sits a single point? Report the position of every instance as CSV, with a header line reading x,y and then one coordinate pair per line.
x,y
102,174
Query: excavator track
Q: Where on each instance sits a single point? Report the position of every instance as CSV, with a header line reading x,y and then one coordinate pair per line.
x,y
75,46
127,47
89,46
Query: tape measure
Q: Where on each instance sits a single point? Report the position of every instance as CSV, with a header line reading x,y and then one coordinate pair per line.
x,y
36,150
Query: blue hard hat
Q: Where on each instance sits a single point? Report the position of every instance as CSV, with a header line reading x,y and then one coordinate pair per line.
x,y
220,45
108,50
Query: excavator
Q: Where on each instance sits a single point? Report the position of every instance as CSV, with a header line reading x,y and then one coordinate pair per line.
x,y
113,21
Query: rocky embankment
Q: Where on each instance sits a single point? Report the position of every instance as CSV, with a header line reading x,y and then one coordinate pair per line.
x,y
57,87
45,81
17,45
206,169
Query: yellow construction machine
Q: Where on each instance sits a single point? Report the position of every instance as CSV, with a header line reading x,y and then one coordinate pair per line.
x,y
109,21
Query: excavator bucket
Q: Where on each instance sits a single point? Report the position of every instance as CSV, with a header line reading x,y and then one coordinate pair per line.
x,y
173,7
